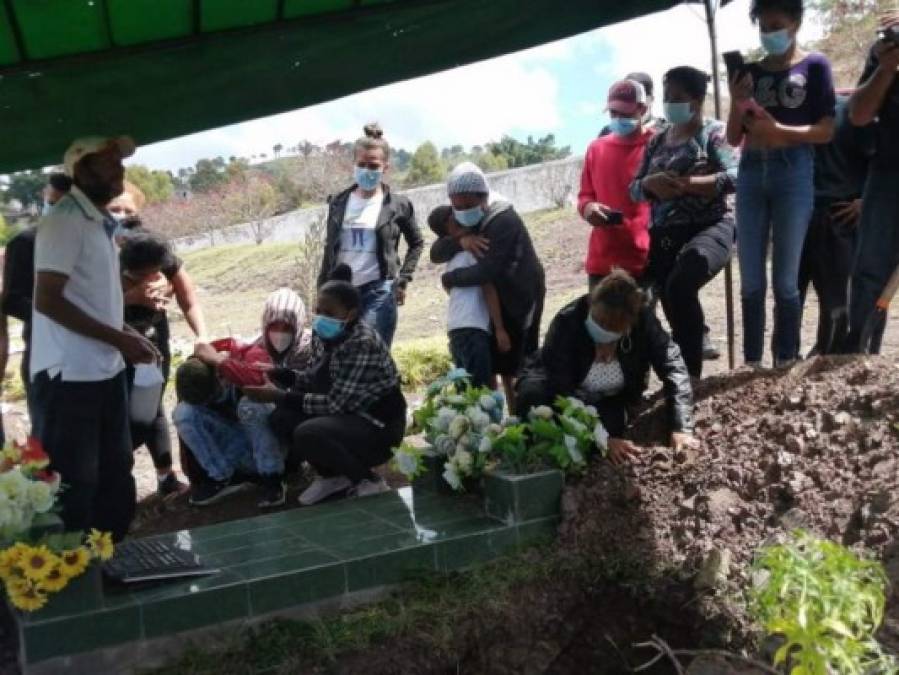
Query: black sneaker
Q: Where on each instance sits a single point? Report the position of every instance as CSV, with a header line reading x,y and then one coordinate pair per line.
x,y
211,492
709,351
170,485
273,492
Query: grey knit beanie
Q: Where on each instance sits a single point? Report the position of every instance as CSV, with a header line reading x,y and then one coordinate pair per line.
x,y
467,178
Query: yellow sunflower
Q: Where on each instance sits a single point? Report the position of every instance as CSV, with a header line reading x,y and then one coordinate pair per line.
x,y
37,562
100,544
74,562
56,580
25,595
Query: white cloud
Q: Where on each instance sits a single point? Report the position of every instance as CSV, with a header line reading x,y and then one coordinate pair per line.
x,y
466,105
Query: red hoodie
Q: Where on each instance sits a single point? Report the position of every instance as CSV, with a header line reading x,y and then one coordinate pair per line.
x,y
609,168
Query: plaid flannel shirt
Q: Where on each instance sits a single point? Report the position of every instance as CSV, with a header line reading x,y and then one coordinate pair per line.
x,y
362,371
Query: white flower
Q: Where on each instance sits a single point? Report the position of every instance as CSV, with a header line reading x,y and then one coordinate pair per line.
x,y
485,445
40,494
576,425
601,436
458,427
443,419
451,476
444,445
487,402
479,419
591,410
575,403
573,452
543,412
493,430
463,461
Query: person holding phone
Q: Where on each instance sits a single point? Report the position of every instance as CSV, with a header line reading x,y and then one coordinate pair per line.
x,y
687,172
877,97
620,236
841,169
780,108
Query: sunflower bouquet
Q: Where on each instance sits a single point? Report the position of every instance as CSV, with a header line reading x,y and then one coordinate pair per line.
x,y
32,568
459,422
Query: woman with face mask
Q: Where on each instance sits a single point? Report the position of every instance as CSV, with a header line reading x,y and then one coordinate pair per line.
x,y
687,172
599,348
365,223
345,413
780,107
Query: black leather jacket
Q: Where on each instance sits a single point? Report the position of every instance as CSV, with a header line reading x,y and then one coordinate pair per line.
x,y
568,352
397,218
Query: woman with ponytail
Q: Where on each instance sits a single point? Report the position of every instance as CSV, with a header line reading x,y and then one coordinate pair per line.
x,y
365,223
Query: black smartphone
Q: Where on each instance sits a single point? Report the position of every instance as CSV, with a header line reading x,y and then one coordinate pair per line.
x,y
734,63
614,217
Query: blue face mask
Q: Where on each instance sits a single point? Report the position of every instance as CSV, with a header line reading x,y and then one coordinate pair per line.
x,y
678,113
327,328
469,217
600,335
777,42
623,126
367,179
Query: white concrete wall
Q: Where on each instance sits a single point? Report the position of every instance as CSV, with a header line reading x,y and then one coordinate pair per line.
x,y
530,188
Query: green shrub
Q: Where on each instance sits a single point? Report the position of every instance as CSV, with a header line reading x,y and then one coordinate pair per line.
x,y
422,361
826,604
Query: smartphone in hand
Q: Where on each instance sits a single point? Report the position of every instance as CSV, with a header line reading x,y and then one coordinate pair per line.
x,y
614,217
734,63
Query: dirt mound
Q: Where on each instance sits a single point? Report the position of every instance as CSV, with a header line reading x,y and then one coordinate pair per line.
x,y
816,447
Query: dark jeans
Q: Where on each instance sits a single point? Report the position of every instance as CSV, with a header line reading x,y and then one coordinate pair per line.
x,y
877,255
775,198
379,308
85,433
345,445
827,264
470,349
156,435
682,261
532,390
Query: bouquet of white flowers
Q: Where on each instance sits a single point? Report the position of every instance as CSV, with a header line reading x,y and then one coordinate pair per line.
x,y
563,436
27,488
459,422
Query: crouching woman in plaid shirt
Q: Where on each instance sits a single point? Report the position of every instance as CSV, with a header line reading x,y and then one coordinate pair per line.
x,y
345,413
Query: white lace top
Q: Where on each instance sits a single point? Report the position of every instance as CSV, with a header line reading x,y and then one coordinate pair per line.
x,y
603,379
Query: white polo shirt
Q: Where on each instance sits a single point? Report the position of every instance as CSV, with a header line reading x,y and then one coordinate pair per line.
x,y
75,239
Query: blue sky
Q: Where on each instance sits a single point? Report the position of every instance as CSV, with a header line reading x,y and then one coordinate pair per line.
x,y
558,88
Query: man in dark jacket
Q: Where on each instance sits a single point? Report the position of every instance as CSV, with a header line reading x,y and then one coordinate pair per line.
x,y
506,259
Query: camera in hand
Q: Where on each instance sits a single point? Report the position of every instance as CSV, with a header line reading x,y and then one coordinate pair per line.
x,y
614,217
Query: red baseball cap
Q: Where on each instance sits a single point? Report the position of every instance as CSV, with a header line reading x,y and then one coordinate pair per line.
x,y
625,97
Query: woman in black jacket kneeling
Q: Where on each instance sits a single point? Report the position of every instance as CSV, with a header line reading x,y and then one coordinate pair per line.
x,y
599,348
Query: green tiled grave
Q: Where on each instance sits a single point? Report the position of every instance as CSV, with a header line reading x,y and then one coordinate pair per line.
x,y
280,561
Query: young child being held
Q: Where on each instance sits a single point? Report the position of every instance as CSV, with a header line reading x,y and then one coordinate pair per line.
x,y
471,311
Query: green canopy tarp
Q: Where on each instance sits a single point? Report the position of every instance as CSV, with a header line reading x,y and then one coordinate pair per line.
x,y
158,69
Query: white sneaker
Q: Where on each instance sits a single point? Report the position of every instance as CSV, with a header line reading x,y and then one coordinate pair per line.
x,y
367,488
322,488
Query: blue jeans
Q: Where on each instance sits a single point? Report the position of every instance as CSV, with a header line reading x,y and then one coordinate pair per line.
x,y
379,308
775,199
877,254
223,446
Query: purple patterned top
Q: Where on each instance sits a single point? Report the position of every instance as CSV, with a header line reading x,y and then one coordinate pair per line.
x,y
801,95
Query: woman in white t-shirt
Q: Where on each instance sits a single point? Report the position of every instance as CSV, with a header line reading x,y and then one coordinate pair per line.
x,y
365,223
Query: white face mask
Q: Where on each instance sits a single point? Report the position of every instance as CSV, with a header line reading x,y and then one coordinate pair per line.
x,y
280,340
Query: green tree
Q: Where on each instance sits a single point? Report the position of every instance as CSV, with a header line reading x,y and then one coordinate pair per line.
x,y
850,27
207,174
425,167
488,161
251,200
518,154
27,188
157,186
